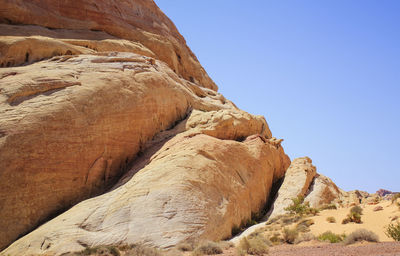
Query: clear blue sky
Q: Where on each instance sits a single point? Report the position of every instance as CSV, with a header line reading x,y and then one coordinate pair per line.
x,y
325,74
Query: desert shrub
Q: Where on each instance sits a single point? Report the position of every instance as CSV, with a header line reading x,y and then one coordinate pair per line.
x,y
304,238
303,226
393,231
172,252
328,207
290,235
346,220
331,219
312,211
299,207
361,235
255,245
353,216
356,209
142,250
395,197
207,248
185,247
276,239
290,219
331,237
225,245
103,250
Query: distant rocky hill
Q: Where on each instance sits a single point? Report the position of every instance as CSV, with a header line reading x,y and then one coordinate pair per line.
x,y
111,132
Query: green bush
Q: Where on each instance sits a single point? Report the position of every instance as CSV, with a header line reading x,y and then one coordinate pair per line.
x,y
290,235
299,207
331,237
393,231
254,245
361,235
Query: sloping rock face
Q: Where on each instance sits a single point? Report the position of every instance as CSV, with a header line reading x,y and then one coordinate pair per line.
x,y
192,185
323,191
297,181
139,21
95,99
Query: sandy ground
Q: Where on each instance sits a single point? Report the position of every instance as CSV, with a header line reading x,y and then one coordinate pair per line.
x,y
369,249
373,221
326,249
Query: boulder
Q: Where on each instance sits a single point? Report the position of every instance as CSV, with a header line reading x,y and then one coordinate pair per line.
x,y
322,191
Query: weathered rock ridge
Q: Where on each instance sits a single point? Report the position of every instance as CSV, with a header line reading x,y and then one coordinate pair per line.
x,y
108,101
87,23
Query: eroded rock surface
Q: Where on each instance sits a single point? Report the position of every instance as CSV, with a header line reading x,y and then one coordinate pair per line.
x,y
192,185
90,99
138,21
297,181
323,191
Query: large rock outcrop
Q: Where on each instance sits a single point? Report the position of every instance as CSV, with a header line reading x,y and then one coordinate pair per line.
x,y
89,93
139,21
192,185
297,181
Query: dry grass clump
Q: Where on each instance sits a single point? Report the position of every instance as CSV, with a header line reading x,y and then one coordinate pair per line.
x,y
290,235
393,231
140,250
276,239
305,237
207,248
331,237
395,197
254,245
361,235
99,250
328,207
331,219
303,226
128,250
185,247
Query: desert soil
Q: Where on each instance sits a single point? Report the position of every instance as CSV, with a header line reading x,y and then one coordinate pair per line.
x,y
375,221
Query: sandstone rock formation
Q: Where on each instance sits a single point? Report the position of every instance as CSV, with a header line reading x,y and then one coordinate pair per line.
x,y
323,191
297,181
139,21
171,199
92,94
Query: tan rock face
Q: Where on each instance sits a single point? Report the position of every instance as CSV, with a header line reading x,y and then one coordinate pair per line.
x,y
297,181
89,95
70,126
134,20
194,187
323,191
